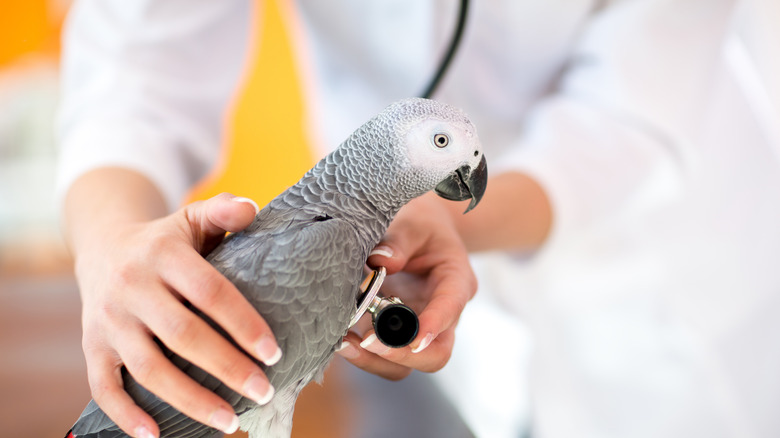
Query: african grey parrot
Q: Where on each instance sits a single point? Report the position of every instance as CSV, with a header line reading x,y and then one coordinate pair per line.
x,y
301,260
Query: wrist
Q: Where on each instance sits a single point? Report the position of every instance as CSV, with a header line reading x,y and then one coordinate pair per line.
x,y
101,201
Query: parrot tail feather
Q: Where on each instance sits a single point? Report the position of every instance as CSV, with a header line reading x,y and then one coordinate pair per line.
x,y
70,434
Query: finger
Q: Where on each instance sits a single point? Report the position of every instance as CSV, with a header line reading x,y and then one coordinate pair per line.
x,y
203,286
193,339
229,212
152,370
211,218
436,355
370,362
409,232
454,287
105,382
394,250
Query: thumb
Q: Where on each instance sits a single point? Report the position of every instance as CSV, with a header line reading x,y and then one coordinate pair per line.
x,y
392,252
210,219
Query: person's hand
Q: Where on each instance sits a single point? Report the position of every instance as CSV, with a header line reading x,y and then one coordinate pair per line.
x,y
428,268
133,283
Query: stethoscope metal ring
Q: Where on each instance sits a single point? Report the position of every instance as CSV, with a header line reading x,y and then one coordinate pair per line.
x,y
375,280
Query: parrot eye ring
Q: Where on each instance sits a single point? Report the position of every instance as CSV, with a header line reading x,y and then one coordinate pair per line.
x,y
441,140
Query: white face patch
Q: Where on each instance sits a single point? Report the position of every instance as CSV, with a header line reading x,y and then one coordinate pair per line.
x,y
425,149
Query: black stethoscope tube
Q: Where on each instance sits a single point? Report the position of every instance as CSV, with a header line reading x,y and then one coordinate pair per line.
x,y
453,47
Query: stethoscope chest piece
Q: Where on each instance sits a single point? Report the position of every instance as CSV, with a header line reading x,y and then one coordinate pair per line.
x,y
395,324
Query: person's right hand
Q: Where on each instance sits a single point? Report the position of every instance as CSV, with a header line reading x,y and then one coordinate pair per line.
x,y
133,282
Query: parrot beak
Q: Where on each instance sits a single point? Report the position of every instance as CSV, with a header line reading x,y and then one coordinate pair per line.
x,y
465,183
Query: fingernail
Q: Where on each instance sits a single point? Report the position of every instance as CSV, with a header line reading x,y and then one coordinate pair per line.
x,y
424,343
258,389
143,432
374,345
347,350
382,250
267,351
248,201
224,420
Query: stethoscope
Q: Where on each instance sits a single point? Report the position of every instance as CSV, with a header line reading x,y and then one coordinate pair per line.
x,y
450,53
396,324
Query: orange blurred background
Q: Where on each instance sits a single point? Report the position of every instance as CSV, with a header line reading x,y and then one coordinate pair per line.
x,y
30,27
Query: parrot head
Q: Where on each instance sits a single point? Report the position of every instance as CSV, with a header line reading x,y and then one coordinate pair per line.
x,y
436,147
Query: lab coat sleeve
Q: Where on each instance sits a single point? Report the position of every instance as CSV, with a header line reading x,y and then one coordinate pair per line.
x,y
613,139
145,84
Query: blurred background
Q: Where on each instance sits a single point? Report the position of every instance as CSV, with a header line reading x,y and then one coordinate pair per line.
x,y
40,361
43,385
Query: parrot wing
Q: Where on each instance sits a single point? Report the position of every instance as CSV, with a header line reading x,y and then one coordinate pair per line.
x,y
303,278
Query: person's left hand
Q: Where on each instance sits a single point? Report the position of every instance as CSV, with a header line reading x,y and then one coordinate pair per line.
x,y
428,269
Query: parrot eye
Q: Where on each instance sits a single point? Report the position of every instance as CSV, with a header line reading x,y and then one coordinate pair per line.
x,y
441,140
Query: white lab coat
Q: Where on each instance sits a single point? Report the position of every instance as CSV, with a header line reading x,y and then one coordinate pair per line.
x,y
652,309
